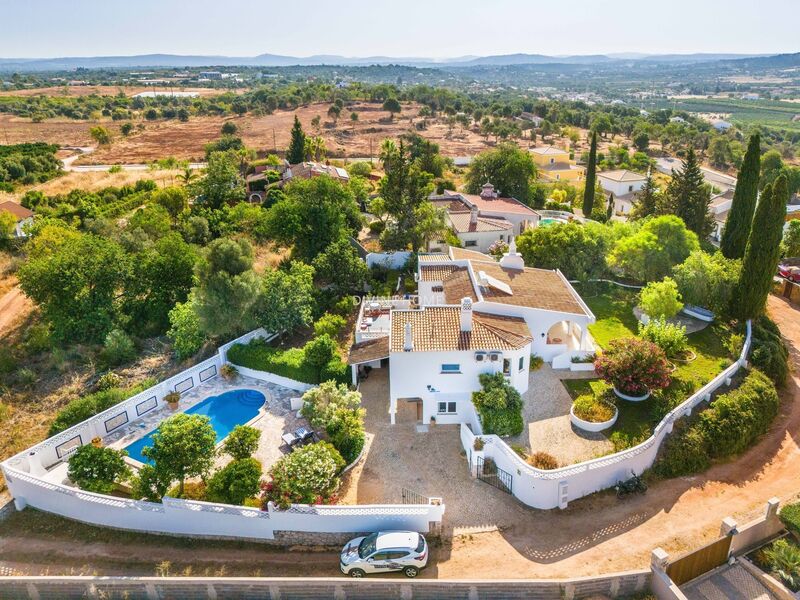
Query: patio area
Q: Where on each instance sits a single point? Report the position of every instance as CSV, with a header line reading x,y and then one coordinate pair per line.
x,y
547,425
275,419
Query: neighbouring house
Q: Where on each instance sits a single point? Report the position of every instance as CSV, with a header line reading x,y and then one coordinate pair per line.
x,y
554,164
677,120
260,179
720,207
472,315
624,185
532,118
23,215
721,125
479,220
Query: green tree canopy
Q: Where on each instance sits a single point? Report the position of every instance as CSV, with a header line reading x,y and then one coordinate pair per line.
x,y
791,239
227,289
341,267
509,168
763,251
661,299
287,298
314,214
76,283
174,199
183,446
689,196
740,218
708,280
591,168
98,469
297,146
222,182
578,251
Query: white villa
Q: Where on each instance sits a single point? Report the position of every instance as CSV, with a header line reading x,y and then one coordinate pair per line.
x,y
22,215
473,315
479,220
624,185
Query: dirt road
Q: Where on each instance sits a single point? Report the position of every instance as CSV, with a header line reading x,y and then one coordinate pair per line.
x,y
12,304
599,534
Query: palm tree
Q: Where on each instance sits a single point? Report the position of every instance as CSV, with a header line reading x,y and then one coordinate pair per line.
x,y
187,176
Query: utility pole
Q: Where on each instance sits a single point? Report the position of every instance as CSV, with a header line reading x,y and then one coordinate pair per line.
x,y
274,143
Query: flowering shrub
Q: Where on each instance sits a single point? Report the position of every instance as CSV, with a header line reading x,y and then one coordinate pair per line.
x,y
634,366
309,475
498,248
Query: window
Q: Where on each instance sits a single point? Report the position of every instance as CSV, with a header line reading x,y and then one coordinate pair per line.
x,y
380,556
470,243
506,366
630,188
451,368
395,554
552,161
447,408
521,363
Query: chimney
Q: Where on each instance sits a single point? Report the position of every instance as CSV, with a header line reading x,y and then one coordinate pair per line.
x,y
487,191
512,259
466,314
473,215
408,338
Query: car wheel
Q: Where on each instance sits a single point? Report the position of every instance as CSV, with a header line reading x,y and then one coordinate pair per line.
x,y
356,573
411,572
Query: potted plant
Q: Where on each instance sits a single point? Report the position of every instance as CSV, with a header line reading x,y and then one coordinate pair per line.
x,y
97,441
478,444
433,420
634,368
228,371
593,413
172,399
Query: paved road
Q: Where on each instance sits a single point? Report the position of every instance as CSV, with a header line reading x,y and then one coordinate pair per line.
x,y
666,164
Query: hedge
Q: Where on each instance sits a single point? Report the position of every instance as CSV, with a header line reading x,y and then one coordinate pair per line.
x,y
790,517
289,363
769,353
732,423
82,408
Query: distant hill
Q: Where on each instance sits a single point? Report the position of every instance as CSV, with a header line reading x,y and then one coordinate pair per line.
x,y
277,60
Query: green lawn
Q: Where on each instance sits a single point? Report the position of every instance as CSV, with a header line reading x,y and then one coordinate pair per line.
x,y
613,307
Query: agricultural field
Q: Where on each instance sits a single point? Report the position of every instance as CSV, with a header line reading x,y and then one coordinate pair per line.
x,y
746,112
108,90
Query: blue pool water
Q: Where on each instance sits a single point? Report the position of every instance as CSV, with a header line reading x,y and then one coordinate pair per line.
x,y
226,411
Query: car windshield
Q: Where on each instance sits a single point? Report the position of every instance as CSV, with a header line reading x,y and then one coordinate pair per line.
x,y
367,545
421,546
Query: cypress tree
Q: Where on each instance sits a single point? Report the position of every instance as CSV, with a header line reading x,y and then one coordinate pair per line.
x,y
737,227
610,208
763,251
647,201
690,196
591,168
297,146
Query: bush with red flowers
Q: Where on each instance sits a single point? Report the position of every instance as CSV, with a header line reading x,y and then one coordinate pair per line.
x,y
309,475
633,366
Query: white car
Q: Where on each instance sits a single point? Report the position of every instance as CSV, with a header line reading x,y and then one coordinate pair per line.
x,y
405,551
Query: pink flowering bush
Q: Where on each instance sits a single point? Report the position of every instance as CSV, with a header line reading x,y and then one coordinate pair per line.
x,y
634,366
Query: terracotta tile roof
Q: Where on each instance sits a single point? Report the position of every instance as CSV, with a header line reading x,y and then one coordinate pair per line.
x,y
432,257
438,328
622,175
495,205
535,288
306,170
458,285
450,204
461,222
438,272
15,209
368,351
461,253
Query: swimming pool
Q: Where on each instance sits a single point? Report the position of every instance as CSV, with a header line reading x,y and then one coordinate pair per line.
x,y
550,221
226,411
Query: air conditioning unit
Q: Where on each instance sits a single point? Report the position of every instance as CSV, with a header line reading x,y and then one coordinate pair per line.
x,y
480,356
495,356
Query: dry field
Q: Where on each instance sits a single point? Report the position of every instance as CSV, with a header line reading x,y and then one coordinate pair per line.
x,y
93,181
187,140
110,90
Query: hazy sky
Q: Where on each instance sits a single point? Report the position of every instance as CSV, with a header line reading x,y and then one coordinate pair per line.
x,y
436,28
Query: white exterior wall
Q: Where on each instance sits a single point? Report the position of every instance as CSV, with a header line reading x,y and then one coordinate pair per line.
x,y
484,239
619,188
521,222
426,294
18,228
24,475
413,372
556,488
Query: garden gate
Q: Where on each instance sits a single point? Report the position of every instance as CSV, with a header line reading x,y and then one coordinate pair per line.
x,y
700,561
488,471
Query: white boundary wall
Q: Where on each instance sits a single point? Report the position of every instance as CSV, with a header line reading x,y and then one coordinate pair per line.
x,y
24,474
556,488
